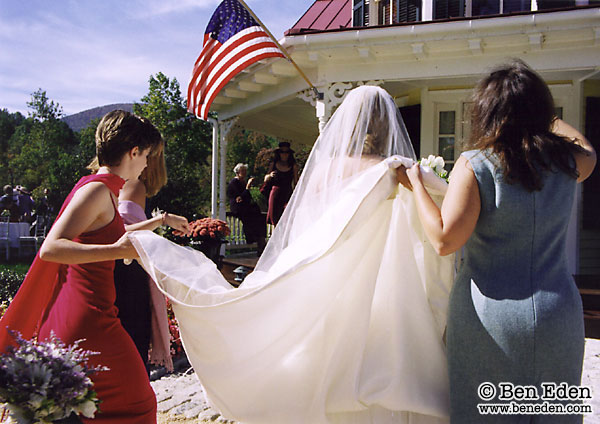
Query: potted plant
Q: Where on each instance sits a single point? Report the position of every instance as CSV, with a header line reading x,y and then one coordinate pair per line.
x,y
207,235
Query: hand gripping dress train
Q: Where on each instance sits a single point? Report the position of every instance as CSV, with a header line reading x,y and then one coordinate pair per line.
x,y
77,302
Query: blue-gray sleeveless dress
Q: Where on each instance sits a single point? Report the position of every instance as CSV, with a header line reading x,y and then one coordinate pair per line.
x,y
515,314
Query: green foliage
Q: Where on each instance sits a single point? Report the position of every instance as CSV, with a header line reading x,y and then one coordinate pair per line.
x,y
42,107
9,122
252,148
39,151
10,281
187,148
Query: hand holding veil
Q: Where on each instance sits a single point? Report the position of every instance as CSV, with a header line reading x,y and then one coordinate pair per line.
x,y
342,319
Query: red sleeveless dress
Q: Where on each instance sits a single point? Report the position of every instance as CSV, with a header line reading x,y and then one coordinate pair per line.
x,y
80,304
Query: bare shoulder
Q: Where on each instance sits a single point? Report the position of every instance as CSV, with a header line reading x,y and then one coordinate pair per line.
x,y
463,167
135,191
94,192
90,208
585,162
463,183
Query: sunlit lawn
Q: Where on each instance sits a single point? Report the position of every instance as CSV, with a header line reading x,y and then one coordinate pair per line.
x,y
20,267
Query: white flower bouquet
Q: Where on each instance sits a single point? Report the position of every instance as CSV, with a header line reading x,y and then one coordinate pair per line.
x,y
436,164
44,382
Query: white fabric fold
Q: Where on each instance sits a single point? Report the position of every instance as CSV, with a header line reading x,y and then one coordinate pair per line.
x,y
345,326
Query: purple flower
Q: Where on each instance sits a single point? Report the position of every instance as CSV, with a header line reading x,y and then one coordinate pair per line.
x,y
46,381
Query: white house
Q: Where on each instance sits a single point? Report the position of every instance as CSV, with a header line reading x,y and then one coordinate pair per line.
x,y
428,54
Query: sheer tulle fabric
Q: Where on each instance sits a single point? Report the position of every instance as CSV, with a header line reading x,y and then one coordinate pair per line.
x,y
343,319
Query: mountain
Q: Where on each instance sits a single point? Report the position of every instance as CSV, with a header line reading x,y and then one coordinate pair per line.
x,y
81,120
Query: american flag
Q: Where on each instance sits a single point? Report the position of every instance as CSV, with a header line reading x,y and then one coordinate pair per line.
x,y
233,40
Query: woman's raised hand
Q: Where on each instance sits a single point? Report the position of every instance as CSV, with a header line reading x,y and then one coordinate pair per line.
x,y
414,175
402,177
179,223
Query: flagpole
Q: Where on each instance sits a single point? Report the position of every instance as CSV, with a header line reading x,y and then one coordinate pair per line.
x,y
284,51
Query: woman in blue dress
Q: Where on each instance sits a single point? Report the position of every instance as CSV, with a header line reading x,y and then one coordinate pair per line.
x,y
515,313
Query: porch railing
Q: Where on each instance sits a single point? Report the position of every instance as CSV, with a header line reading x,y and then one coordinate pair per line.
x,y
237,239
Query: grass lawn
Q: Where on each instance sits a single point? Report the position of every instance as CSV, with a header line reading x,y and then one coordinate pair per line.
x,y
21,268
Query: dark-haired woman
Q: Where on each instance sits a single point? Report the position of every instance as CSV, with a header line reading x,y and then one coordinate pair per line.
x,y
515,315
281,179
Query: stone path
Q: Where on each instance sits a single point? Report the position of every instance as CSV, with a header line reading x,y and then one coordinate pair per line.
x,y
181,398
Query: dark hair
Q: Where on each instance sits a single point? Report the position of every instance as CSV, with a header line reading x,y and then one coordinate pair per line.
x,y
513,114
119,131
277,157
377,129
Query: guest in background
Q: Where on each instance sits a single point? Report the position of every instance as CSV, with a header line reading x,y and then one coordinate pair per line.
x,y
10,202
280,181
26,204
242,207
43,210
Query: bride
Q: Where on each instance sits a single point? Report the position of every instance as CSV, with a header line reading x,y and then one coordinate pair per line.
x,y
343,318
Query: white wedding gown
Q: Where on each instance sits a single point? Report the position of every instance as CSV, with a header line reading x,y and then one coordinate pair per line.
x,y
346,325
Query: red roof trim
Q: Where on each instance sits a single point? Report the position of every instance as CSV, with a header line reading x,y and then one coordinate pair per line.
x,y
299,31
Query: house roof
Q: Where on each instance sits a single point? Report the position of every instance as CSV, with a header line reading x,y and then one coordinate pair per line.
x,y
324,15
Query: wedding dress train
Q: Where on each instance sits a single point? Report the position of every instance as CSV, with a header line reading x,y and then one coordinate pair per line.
x,y
346,325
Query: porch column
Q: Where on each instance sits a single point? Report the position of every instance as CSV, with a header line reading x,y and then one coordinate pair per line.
x,y
323,113
225,129
214,170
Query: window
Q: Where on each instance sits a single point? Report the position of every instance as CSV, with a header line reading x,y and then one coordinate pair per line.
x,y
444,9
407,10
555,4
447,136
360,15
384,12
495,7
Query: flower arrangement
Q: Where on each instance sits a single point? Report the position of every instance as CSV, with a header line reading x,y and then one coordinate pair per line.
x,y
42,382
176,345
207,229
437,164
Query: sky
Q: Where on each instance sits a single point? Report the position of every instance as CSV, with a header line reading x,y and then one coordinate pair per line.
x,y
88,53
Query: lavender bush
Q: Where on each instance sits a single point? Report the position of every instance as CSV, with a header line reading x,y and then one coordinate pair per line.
x,y
43,382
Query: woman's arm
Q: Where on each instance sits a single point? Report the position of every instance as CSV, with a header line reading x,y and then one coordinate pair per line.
x,y
585,161
91,208
135,191
176,222
448,229
295,174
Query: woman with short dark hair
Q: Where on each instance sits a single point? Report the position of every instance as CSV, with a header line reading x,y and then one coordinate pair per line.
x,y
515,313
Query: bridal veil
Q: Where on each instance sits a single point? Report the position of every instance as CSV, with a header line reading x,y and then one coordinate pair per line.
x,y
343,318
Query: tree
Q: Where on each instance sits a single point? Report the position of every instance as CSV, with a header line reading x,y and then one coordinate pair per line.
x,y
44,108
252,148
187,148
9,122
39,151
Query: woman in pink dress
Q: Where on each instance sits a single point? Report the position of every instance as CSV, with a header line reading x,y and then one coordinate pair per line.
x,y
142,307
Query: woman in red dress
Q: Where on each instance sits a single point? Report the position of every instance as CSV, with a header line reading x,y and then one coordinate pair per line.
x,y
69,289
280,181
